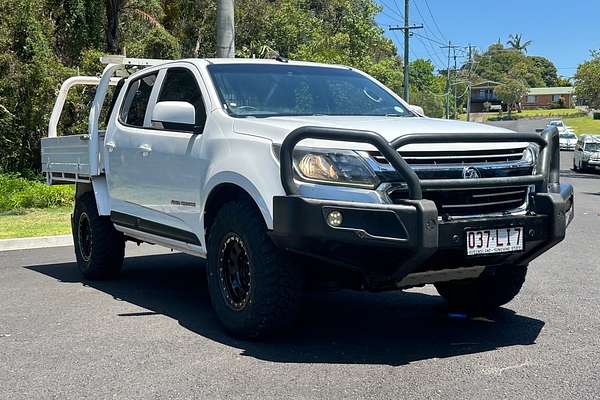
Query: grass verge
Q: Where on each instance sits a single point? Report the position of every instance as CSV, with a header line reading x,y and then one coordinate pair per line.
x,y
35,222
584,125
535,113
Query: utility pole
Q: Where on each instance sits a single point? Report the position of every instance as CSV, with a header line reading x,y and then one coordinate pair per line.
x,y
450,47
225,29
469,83
406,29
455,84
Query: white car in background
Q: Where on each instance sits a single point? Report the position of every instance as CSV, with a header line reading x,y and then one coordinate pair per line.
x,y
567,140
558,124
587,153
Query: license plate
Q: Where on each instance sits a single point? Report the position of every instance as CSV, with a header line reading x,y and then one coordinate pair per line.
x,y
493,241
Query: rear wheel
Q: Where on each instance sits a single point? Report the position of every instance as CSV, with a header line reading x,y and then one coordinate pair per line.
x,y
99,247
487,292
254,288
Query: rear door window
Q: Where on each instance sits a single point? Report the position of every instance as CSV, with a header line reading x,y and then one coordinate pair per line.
x,y
136,100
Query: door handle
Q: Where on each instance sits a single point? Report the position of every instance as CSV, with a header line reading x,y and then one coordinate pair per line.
x,y
110,146
145,149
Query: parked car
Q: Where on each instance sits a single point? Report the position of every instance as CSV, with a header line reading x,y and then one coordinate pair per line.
x,y
567,140
284,175
558,124
587,153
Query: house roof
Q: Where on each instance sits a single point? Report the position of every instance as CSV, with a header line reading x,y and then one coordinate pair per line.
x,y
486,84
551,90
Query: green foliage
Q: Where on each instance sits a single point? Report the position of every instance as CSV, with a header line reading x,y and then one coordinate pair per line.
x,y
587,81
516,42
548,72
511,92
499,63
158,43
19,192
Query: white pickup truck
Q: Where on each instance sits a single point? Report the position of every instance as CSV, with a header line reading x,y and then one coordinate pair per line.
x,y
285,175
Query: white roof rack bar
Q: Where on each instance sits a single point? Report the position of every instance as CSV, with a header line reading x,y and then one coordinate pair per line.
x,y
122,60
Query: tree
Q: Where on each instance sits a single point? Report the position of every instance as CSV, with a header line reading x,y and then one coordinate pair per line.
x,y
511,92
547,70
113,11
587,81
517,43
499,63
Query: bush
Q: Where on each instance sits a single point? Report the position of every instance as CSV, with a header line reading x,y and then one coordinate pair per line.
x,y
18,192
596,115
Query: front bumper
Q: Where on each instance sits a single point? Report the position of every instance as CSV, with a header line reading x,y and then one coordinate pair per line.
x,y
386,242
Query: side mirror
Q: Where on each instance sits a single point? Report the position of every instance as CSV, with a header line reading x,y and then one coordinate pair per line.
x,y
174,115
417,109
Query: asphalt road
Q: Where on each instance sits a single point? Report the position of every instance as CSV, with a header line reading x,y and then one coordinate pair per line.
x,y
152,333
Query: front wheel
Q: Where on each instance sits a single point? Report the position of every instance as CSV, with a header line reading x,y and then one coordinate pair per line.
x,y
487,292
254,288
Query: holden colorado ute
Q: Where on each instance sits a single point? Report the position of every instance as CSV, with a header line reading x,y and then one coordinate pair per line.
x,y
285,175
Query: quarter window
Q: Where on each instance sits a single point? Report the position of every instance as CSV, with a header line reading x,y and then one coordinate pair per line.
x,y
136,100
180,85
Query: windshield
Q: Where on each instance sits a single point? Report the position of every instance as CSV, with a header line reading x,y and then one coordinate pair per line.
x,y
275,90
556,123
592,147
568,136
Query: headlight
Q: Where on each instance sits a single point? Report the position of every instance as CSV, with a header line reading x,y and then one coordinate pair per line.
x,y
530,154
341,167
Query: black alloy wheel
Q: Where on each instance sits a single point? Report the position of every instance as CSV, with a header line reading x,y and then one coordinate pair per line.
x,y
234,272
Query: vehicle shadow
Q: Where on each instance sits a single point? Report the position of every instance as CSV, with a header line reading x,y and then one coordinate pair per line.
x,y
343,327
569,173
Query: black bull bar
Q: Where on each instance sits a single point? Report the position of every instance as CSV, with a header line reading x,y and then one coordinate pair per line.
x,y
548,163
299,223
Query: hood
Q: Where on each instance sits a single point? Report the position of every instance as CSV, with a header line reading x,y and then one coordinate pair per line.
x,y
277,128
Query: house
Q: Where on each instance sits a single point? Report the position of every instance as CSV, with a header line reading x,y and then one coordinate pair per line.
x,y
547,96
484,92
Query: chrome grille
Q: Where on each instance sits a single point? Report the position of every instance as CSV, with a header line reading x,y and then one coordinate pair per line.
x,y
455,157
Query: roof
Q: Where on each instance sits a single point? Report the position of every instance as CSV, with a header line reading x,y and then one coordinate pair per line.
x,y
551,90
486,84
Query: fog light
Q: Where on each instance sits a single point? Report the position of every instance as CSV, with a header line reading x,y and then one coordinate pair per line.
x,y
334,218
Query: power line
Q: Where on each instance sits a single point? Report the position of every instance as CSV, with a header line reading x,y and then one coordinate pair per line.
x,y
434,21
450,47
430,39
390,8
423,18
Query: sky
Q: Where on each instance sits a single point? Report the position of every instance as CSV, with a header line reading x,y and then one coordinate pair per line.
x,y
562,31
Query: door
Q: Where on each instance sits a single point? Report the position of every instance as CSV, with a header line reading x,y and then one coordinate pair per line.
x,y
123,142
175,166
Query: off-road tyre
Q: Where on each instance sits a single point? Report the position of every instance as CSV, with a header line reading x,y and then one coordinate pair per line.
x,y
266,298
99,247
485,293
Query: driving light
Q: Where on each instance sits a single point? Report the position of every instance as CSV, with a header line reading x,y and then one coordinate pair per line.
x,y
341,167
335,218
